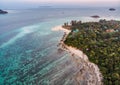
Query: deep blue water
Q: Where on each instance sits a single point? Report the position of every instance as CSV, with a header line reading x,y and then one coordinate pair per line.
x,y
28,47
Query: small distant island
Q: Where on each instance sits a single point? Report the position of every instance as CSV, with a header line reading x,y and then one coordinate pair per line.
x,y
112,9
95,16
100,41
3,12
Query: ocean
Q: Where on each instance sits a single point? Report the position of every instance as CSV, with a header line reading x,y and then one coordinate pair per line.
x,y
29,54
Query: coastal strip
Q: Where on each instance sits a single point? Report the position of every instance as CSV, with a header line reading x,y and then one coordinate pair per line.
x,y
94,76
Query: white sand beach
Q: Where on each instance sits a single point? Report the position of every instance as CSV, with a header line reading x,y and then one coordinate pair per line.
x,y
69,48
91,67
60,28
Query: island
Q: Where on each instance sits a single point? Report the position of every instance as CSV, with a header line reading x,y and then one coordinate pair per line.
x,y
100,41
112,9
3,12
95,16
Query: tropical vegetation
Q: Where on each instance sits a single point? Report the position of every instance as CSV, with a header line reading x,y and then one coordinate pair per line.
x,y
100,41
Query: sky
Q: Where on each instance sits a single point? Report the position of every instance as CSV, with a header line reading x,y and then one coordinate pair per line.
x,y
58,3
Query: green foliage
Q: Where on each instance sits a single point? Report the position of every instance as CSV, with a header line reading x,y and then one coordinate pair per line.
x,y
100,46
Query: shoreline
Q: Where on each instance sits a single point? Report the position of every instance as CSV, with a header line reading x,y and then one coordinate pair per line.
x,y
76,52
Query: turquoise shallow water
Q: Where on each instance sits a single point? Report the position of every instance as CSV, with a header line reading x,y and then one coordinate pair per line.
x,y
31,56
26,54
28,47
